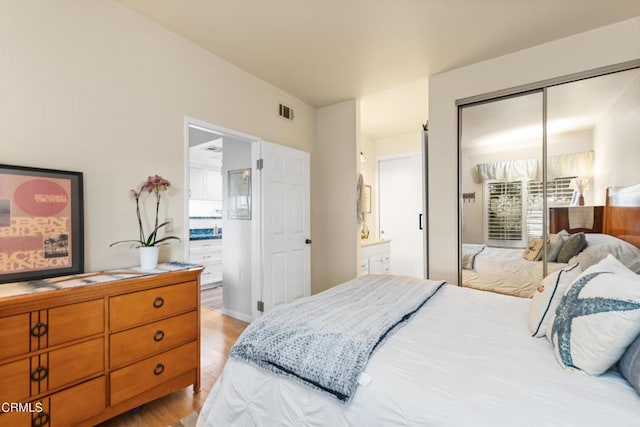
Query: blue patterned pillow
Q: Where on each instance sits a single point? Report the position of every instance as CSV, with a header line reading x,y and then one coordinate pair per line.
x,y
630,364
597,318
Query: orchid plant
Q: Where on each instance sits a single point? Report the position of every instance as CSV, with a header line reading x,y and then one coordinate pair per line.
x,y
155,185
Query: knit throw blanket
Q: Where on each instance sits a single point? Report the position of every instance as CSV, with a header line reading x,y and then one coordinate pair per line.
x,y
325,341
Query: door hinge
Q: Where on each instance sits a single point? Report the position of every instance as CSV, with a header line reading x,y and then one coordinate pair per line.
x,y
261,306
260,164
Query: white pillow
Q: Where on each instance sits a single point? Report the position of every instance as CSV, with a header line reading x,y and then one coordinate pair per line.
x,y
597,318
601,245
547,297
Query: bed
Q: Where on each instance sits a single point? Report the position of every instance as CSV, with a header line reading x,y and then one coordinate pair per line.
x,y
460,356
505,270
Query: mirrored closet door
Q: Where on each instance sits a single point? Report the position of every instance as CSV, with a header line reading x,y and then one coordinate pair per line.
x,y
527,160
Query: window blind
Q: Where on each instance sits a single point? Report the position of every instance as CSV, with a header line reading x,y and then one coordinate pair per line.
x,y
514,209
504,216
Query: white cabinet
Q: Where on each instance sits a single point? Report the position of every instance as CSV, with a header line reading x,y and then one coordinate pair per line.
x,y
375,258
207,253
205,184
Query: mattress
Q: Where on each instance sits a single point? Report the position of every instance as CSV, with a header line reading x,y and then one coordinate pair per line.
x,y
504,270
466,358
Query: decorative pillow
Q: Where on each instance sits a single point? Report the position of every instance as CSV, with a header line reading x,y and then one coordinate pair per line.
x,y
556,242
547,297
533,251
630,364
572,247
597,318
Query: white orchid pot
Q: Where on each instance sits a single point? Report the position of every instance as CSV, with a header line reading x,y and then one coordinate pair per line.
x,y
148,257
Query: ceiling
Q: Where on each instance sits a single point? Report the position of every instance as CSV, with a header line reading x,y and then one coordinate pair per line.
x,y
328,51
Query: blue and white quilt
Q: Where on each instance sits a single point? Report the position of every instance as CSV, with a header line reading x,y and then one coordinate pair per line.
x,y
325,341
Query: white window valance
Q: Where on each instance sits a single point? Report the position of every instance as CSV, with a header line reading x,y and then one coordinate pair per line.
x,y
572,164
565,165
510,170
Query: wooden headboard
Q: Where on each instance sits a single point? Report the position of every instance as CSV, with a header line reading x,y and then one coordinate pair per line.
x,y
622,214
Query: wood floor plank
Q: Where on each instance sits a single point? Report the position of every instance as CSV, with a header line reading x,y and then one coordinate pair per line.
x,y
218,334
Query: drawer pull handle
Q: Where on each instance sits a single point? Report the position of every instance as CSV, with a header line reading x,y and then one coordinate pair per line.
x,y
39,374
158,369
158,302
42,419
158,336
39,329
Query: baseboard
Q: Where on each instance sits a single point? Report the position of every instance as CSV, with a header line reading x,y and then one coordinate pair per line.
x,y
236,315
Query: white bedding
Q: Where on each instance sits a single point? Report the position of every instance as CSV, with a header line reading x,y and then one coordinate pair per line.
x,y
465,359
504,270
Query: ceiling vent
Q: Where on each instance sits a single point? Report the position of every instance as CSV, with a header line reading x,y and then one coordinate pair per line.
x,y
285,112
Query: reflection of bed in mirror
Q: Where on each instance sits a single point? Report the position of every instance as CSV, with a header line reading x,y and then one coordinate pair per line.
x,y
505,270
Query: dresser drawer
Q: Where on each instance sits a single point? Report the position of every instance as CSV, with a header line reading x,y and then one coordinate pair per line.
x,y
75,362
14,381
75,321
147,374
138,343
14,335
15,418
154,304
76,404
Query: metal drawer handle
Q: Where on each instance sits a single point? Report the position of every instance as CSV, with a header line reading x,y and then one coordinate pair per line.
x,y
158,302
39,329
42,419
158,369
158,336
39,374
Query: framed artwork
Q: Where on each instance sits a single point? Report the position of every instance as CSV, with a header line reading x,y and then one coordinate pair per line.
x,y
239,194
41,223
367,198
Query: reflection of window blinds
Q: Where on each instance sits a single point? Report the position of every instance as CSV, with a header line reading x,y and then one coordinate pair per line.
x,y
558,194
505,211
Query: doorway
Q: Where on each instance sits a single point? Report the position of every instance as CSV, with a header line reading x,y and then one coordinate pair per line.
x,y
248,217
401,212
218,242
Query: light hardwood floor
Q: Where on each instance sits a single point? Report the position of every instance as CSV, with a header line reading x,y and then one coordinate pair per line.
x,y
218,334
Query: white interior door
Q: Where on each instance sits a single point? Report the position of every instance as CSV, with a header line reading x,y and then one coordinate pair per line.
x,y
286,244
400,209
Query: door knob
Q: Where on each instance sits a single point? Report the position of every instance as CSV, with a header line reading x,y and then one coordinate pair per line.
x,y
308,241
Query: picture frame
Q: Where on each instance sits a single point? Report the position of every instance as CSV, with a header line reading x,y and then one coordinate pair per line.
x,y
41,223
239,194
367,198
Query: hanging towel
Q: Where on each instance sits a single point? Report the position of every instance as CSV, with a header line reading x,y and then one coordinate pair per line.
x,y
581,217
360,199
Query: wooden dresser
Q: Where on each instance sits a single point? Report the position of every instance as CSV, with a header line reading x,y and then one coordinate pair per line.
x,y
87,352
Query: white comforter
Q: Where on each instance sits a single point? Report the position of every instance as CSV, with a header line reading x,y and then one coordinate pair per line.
x,y
466,359
504,270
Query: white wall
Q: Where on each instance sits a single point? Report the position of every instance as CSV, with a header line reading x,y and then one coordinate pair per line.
x,y
334,177
90,86
617,142
604,46
236,240
408,143
369,170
